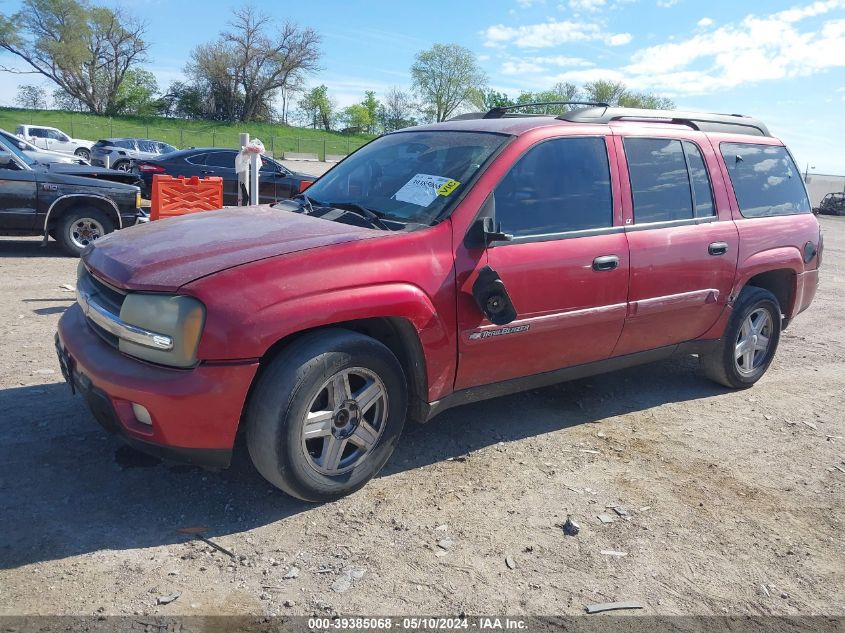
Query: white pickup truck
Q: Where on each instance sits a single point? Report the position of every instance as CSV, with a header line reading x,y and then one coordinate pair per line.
x,y
54,139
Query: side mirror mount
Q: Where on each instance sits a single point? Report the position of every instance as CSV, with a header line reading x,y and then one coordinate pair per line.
x,y
484,231
21,145
6,159
492,297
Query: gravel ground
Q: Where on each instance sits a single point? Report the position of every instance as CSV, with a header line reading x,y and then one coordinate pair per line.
x,y
720,502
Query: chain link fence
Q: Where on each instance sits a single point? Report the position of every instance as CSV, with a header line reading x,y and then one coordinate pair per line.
x,y
183,138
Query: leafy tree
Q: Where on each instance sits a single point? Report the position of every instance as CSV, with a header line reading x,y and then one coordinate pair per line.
x,y
445,78
615,93
63,101
136,93
486,100
86,50
357,118
371,105
396,111
317,107
32,97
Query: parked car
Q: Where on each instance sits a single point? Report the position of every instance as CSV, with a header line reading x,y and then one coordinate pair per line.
x,y
437,266
121,152
276,181
76,211
833,204
42,156
54,139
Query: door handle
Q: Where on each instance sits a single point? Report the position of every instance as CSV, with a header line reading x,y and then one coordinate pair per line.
x,y
718,248
605,262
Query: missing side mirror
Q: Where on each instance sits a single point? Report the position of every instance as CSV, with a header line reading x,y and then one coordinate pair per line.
x,y
492,297
484,231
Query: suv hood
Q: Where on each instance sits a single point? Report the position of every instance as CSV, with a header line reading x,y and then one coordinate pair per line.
x,y
167,254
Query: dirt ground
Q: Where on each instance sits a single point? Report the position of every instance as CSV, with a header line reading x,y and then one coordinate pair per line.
x,y
726,502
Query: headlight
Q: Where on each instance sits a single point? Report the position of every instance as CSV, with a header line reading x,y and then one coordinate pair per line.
x,y
175,317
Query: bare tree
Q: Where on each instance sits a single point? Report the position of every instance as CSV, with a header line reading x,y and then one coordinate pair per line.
x,y
396,110
32,97
85,50
253,61
446,77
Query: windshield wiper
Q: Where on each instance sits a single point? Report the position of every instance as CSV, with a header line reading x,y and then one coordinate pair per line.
x,y
369,214
306,203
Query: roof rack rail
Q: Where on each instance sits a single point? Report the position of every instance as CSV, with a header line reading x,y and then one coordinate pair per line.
x,y
703,121
500,111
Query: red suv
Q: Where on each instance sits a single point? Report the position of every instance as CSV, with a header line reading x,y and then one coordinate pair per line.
x,y
437,266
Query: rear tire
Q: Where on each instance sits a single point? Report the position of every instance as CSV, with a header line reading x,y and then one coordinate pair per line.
x,y
326,414
750,341
83,153
79,227
123,165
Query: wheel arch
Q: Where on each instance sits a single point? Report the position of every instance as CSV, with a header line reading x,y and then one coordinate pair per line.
x,y
71,200
398,334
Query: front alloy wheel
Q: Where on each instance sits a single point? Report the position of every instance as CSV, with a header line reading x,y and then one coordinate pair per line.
x,y
326,413
345,421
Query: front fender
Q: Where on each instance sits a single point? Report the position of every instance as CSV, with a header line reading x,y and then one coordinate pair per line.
x,y
257,332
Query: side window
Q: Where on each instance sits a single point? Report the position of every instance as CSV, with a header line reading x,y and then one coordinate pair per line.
x,y
701,190
765,180
557,186
37,132
199,159
54,135
221,159
659,180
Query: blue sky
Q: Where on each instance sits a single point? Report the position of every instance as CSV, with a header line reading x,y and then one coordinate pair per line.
x,y
781,61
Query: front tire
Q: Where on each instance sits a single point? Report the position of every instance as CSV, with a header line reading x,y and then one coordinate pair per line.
x,y
80,227
750,341
326,414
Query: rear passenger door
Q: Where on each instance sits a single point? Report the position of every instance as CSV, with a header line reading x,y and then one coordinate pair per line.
x,y
566,268
682,240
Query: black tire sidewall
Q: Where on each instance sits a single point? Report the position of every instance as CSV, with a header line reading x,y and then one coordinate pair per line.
x,y
285,391
73,215
750,300
83,154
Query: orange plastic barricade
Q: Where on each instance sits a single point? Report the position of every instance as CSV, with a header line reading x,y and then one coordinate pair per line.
x,y
179,196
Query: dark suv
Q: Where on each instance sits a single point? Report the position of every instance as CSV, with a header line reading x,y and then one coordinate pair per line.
x,y
437,266
74,210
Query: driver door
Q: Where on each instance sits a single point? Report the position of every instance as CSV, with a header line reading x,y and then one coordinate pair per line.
x,y
565,270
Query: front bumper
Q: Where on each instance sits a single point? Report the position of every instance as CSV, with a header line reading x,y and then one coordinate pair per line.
x,y
195,412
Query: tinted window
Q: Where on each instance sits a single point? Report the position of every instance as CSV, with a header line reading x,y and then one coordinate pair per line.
x,y
125,143
198,159
659,180
221,159
765,180
37,132
700,181
557,186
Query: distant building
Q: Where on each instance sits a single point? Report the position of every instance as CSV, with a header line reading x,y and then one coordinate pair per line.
x,y
819,185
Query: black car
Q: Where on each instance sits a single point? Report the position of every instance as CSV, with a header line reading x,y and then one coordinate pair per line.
x,y
276,182
833,204
73,210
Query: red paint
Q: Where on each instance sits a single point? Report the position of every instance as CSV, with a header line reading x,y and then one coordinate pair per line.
x,y
265,274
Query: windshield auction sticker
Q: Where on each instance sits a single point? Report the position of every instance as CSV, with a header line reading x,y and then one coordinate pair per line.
x,y
423,189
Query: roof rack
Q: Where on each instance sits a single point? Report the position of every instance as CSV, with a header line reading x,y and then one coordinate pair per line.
x,y
500,111
703,121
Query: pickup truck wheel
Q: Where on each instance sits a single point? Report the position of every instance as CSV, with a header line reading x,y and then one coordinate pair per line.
x,y
750,341
326,414
83,153
79,227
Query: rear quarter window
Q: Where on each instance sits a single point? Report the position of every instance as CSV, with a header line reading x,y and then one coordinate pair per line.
x,y
765,180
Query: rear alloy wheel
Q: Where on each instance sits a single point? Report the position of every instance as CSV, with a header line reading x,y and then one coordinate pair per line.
x,y
83,153
123,165
326,414
748,346
79,228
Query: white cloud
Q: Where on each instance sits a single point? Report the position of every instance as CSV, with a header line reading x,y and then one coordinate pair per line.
x,y
550,34
705,22
534,65
666,4
524,4
587,5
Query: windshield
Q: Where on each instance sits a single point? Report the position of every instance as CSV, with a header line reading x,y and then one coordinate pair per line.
x,y
13,147
408,176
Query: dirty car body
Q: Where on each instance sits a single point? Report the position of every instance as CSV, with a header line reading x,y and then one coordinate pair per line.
x,y
452,262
